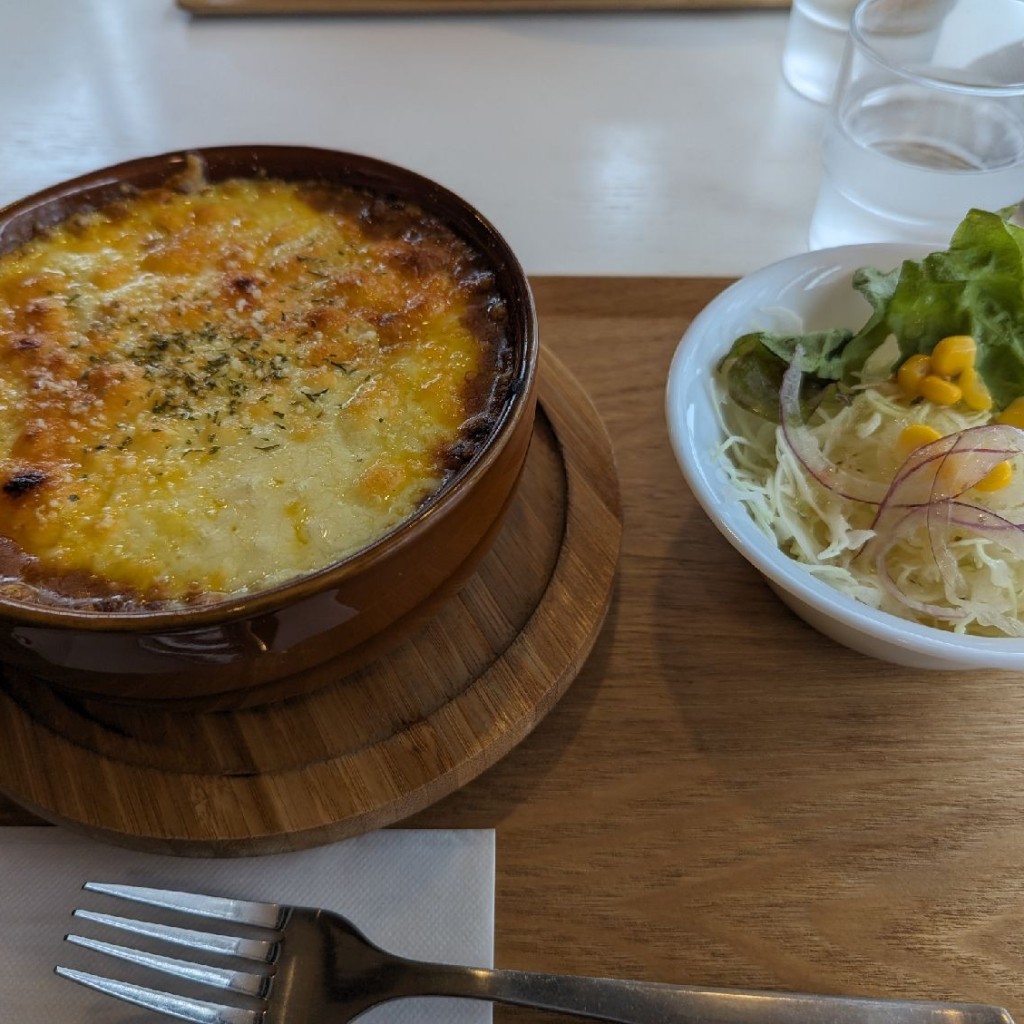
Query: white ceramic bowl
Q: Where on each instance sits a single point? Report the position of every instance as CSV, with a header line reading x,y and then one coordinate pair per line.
x,y
817,287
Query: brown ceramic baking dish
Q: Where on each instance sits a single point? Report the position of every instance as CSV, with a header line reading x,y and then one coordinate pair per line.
x,y
290,638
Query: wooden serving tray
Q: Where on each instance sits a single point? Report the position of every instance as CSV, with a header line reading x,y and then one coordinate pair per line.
x,y
379,744
724,796
254,7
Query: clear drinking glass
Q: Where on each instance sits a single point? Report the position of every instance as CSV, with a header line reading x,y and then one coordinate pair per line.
x,y
926,121
815,38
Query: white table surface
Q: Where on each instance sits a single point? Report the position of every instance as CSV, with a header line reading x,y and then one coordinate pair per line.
x,y
660,143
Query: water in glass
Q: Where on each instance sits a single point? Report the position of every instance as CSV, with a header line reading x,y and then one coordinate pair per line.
x,y
901,162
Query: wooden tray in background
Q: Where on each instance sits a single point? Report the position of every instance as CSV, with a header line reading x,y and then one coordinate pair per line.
x,y
379,744
251,7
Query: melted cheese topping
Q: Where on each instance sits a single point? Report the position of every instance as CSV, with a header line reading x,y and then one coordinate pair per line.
x,y
209,392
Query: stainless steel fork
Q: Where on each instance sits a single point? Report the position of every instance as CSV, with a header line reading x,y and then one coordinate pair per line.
x,y
308,966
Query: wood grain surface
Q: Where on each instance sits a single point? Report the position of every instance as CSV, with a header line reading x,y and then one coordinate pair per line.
x,y
723,796
265,7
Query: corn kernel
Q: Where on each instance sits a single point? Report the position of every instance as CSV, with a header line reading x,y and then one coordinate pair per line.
x,y
953,355
996,478
909,376
940,391
1013,414
916,436
975,394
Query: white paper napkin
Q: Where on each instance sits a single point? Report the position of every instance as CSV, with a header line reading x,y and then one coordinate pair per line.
x,y
421,893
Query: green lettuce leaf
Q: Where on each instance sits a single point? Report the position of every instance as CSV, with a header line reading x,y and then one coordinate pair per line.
x,y
975,287
753,369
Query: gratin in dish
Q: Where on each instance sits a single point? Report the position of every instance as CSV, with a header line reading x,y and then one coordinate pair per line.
x,y
211,388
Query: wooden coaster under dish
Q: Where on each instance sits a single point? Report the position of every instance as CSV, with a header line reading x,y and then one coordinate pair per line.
x,y
377,745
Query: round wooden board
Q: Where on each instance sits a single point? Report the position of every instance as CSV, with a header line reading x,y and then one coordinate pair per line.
x,y
375,746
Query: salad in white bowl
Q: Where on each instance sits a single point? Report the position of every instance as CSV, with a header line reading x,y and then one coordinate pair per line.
x,y
852,420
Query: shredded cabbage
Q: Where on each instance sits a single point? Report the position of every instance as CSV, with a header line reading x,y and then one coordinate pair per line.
x,y
828,532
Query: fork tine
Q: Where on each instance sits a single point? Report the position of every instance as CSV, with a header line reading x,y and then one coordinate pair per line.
x,y
266,915
195,1010
218,977
210,942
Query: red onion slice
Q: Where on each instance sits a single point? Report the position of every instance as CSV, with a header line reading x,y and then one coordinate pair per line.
x,y
947,467
931,478
804,446
962,516
912,521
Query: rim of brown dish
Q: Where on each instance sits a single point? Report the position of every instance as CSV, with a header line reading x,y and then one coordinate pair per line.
x,y
23,218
